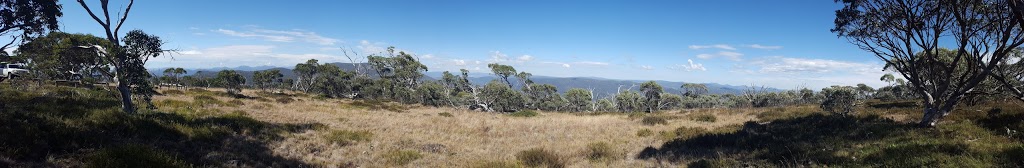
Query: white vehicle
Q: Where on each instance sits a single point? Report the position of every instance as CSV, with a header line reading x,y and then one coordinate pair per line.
x,y
12,70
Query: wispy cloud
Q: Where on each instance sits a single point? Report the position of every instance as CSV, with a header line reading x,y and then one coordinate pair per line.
x,y
593,63
689,67
734,56
281,35
801,65
646,67
719,46
764,47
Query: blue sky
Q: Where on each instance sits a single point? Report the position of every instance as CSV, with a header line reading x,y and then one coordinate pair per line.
x,y
782,44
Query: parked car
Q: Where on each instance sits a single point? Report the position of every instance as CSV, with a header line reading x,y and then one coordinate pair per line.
x,y
12,70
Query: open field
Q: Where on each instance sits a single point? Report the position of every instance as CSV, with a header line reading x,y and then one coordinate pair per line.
x,y
52,126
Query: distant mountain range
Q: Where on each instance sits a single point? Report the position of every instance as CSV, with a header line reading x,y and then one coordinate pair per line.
x,y
602,87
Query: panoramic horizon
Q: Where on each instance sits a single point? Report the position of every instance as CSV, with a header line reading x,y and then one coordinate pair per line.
x,y
699,42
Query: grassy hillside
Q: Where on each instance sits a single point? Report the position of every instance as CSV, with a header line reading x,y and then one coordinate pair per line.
x,y
73,127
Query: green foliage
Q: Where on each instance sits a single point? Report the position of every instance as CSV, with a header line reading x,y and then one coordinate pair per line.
x,y
503,72
644,132
704,118
654,120
232,81
432,94
601,151
629,101
714,163
502,98
605,105
538,157
524,113
401,157
132,155
839,99
346,137
652,95
670,101
544,97
267,79
578,99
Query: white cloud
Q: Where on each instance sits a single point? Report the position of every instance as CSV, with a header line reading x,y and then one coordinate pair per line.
x,y
369,48
281,35
758,46
190,52
802,65
428,56
566,65
275,38
734,56
459,62
719,46
525,58
594,63
497,57
646,67
689,67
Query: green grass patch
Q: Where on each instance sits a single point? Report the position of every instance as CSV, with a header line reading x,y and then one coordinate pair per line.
x,y
132,156
524,113
445,114
601,152
704,118
376,105
346,137
644,132
173,92
538,157
496,164
401,157
654,120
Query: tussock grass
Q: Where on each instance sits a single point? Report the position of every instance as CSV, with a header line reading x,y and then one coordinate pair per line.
x,y
644,132
173,92
346,137
496,164
133,156
654,120
538,157
445,114
401,157
524,113
601,152
704,118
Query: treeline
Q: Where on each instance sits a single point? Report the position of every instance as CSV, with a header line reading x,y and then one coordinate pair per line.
x,y
399,77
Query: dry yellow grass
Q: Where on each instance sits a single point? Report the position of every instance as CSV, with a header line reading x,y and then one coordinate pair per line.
x,y
464,139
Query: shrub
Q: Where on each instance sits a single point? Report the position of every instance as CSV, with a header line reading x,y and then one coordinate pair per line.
x,y
682,133
401,157
235,103
173,92
346,137
839,99
705,118
644,132
524,113
284,100
132,156
601,151
204,100
496,164
654,120
714,163
445,114
538,157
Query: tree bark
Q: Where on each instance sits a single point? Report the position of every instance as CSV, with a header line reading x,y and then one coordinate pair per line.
x,y
126,97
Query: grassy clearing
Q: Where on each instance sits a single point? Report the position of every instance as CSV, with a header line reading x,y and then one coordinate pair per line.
x,y
204,128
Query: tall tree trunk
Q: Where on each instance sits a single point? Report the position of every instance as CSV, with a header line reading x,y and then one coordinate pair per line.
x,y
126,97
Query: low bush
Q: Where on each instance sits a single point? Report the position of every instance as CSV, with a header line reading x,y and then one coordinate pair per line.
x,y
704,118
401,157
644,132
524,113
346,137
284,100
654,120
601,151
445,114
132,156
538,157
682,133
204,100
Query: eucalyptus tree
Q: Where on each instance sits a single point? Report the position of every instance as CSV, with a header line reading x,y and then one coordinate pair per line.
x,y
503,72
694,89
578,99
232,81
57,53
629,101
909,35
652,95
127,60
23,19
267,79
